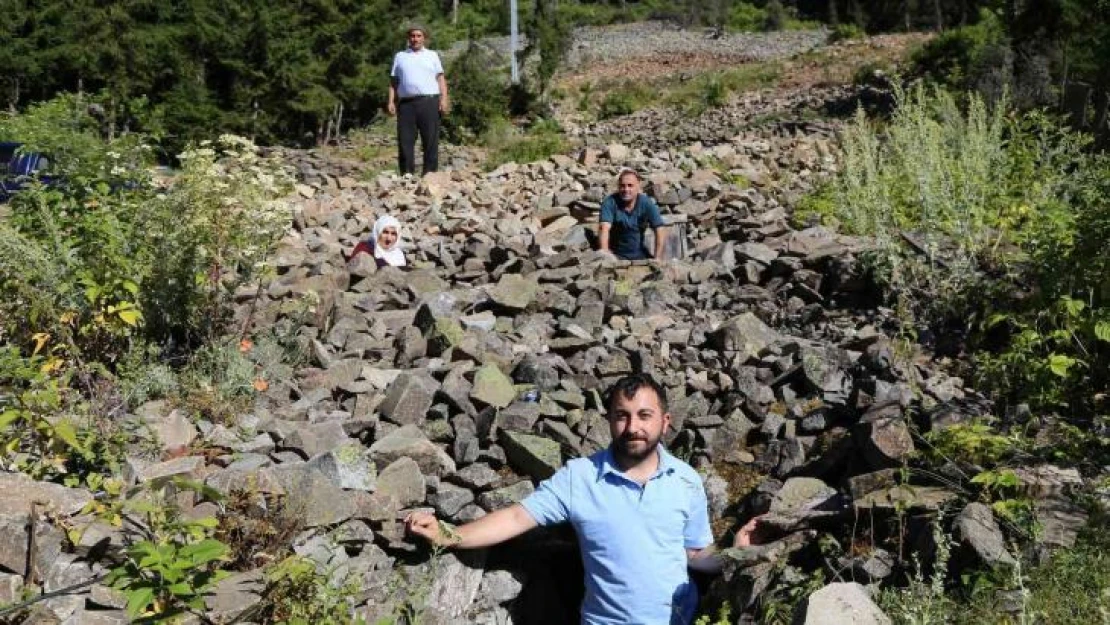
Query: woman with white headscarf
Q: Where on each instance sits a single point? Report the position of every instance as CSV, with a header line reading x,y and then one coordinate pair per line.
x,y
385,243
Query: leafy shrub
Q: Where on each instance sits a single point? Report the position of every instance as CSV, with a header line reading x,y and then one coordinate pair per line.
x,y
257,528
33,439
616,104
975,443
108,258
479,96
923,600
167,572
212,231
846,31
539,143
946,193
775,16
958,58
299,592
63,129
746,17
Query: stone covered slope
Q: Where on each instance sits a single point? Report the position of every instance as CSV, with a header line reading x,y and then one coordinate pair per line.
x,y
786,391
428,368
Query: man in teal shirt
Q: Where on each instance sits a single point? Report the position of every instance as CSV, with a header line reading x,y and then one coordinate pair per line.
x,y
624,217
640,514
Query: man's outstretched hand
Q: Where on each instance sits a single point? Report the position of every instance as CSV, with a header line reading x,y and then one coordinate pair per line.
x,y
426,526
749,534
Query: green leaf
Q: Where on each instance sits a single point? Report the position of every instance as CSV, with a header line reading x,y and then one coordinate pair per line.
x,y
8,417
996,319
182,589
1073,306
1059,364
138,600
92,293
64,430
1008,478
986,477
208,522
205,551
1102,331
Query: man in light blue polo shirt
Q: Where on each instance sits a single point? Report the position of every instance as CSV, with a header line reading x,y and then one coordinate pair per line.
x,y
418,97
640,514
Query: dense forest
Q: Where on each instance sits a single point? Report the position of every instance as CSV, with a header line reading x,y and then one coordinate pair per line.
x,y
281,71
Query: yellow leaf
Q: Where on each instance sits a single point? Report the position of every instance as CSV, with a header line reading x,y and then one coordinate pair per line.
x,y
261,385
68,317
40,339
131,317
52,365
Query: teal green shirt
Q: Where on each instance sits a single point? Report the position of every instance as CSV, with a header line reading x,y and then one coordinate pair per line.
x,y
626,235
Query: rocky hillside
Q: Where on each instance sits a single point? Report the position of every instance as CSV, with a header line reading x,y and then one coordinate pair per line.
x,y
460,383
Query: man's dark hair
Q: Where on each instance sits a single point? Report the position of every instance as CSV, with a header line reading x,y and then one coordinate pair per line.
x,y
629,385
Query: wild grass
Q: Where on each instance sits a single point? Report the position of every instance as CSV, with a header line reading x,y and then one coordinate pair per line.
x,y
694,96
506,144
948,193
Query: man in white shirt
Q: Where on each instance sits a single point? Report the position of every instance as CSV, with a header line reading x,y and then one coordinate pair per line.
x,y
417,96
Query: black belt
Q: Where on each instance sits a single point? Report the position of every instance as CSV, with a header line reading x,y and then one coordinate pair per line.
x,y
418,97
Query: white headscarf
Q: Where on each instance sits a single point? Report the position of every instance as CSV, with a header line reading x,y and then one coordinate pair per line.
x,y
392,256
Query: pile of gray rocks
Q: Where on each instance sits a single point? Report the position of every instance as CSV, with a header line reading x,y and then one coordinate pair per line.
x,y
591,45
458,384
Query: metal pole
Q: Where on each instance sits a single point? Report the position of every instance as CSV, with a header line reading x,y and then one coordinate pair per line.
x,y
512,41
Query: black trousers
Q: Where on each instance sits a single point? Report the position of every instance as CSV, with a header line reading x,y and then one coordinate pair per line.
x,y
418,115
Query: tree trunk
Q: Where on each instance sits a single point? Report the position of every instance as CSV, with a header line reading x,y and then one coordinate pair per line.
x,y
938,15
454,12
1101,109
834,19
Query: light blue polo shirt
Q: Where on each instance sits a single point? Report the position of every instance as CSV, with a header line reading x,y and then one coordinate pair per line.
x,y
633,539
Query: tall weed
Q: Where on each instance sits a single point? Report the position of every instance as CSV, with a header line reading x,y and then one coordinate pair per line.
x,y
107,259
954,196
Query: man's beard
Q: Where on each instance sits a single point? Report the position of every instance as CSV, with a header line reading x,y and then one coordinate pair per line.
x,y
634,450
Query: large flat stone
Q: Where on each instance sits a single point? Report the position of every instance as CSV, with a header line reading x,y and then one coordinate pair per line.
x,y
410,441
408,400
535,456
312,497
745,334
403,481
17,491
840,603
492,387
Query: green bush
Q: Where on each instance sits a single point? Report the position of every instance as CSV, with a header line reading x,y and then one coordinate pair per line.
x,y
506,144
175,562
991,227
624,101
959,58
845,31
109,258
946,194
746,18
299,592
479,94
775,16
